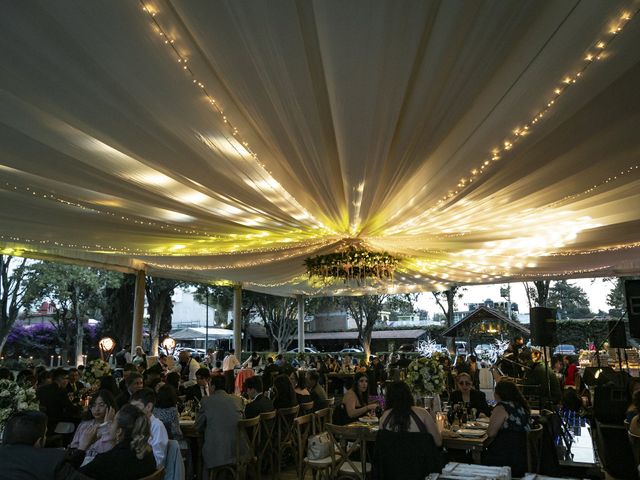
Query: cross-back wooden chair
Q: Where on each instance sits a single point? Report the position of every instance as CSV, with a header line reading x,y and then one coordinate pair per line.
x,y
268,439
285,433
320,419
349,441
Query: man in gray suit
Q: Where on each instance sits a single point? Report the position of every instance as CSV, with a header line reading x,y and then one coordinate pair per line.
x,y
218,419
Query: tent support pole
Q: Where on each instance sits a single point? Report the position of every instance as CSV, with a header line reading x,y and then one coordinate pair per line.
x,y
300,323
237,319
138,311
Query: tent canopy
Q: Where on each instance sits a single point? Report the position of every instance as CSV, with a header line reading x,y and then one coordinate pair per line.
x,y
197,333
481,142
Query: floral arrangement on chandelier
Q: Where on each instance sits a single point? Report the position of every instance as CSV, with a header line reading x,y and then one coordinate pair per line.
x,y
426,375
353,264
15,398
95,371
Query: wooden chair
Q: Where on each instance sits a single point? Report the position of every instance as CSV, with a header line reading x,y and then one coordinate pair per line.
x,y
285,434
347,441
303,426
157,475
534,449
331,402
634,440
268,440
248,447
306,408
320,419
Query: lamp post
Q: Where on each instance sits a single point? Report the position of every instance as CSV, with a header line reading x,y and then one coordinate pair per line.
x,y
106,346
169,345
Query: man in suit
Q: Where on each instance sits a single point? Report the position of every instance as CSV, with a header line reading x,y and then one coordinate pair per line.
x,y
318,395
22,456
259,402
202,388
218,419
54,400
75,385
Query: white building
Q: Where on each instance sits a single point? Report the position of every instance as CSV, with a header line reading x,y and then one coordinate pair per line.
x,y
189,313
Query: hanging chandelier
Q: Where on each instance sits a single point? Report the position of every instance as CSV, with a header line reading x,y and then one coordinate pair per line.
x,y
357,264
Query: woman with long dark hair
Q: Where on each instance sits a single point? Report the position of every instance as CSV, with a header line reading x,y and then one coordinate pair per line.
x,y
299,383
355,402
102,410
131,457
285,395
408,440
508,427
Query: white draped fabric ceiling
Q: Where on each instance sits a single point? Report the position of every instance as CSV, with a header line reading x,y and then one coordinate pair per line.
x,y
479,141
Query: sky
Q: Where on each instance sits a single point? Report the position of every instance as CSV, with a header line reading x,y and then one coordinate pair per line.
x,y
597,290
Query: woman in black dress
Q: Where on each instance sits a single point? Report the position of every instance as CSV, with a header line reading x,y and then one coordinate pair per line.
x,y
465,393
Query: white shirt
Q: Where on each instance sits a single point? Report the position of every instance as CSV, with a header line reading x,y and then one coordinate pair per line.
x,y
229,363
158,440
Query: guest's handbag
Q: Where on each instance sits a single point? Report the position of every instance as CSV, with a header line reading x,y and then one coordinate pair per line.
x,y
319,446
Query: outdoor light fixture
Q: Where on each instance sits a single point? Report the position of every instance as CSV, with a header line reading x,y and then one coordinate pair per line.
x,y
106,345
169,345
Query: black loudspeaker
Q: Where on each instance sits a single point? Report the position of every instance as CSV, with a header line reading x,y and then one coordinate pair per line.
x,y
632,292
543,326
617,335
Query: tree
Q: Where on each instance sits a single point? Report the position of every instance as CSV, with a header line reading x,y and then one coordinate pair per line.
x,y
160,308
75,292
118,310
279,317
570,300
400,305
365,311
538,293
12,289
449,297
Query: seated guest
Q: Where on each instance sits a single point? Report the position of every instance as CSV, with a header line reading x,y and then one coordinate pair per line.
x,y
218,419
131,457
75,385
166,410
102,411
133,384
467,394
173,379
570,371
127,370
298,381
202,388
22,455
508,427
140,359
318,395
270,370
259,402
355,402
632,413
54,400
408,440
145,400
284,394
26,378
376,376
108,383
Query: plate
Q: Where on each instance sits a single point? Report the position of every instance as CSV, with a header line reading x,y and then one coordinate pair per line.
x,y
467,432
368,419
476,425
483,420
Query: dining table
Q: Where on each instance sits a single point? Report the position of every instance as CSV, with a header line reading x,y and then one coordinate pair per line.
x,y
451,439
196,439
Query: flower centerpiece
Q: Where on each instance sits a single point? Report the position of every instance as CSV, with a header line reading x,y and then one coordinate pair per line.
x,y
15,398
426,375
96,370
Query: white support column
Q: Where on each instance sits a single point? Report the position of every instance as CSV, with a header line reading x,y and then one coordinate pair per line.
x,y
237,319
300,323
138,311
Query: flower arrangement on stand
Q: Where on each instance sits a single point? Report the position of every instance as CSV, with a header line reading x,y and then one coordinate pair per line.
x,y
15,398
353,263
96,370
426,375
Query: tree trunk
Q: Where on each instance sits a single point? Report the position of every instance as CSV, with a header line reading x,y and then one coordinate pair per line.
x,y
3,342
155,328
